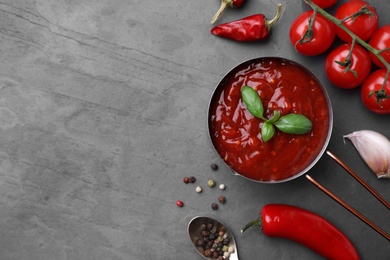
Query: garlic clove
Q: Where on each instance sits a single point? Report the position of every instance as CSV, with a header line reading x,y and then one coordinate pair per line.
x,y
374,148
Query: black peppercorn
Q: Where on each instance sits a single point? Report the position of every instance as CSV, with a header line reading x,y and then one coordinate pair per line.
x,y
214,167
192,179
214,206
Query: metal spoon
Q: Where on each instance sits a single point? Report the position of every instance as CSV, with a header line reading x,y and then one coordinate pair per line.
x,y
195,233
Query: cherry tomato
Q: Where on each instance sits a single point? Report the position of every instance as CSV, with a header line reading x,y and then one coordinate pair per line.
x,y
324,3
357,72
323,34
380,41
364,26
369,94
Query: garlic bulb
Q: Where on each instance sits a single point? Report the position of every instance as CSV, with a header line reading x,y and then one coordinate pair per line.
x,y
374,148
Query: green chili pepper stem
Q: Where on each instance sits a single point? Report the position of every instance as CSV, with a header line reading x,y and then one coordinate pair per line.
x,y
270,23
256,222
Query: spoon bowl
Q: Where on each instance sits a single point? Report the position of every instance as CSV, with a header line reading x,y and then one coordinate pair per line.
x,y
195,233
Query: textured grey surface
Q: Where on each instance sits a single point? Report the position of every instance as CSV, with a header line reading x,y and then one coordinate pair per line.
x,y
103,108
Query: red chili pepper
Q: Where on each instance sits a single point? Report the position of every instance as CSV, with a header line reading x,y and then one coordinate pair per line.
x,y
306,228
252,28
224,4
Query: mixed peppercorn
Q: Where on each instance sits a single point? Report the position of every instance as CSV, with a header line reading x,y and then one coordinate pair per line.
x,y
214,241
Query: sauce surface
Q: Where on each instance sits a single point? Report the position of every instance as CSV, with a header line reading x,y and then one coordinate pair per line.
x,y
236,134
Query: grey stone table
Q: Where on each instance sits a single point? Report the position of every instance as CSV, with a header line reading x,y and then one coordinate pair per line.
x,y
103,109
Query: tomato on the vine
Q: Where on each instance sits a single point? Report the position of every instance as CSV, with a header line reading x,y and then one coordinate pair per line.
x,y
364,25
374,97
323,34
358,70
380,41
325,3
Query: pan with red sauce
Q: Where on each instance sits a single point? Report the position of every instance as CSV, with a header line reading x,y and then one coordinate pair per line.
x,y
285,86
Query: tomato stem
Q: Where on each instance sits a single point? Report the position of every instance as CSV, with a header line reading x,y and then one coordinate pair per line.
x,y
347,63
363,10
380,94
309,34
384,50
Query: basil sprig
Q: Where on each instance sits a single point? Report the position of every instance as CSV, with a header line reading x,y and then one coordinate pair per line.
x,y
290,123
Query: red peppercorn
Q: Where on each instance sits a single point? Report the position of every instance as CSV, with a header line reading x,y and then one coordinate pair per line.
x,y
186,180
179,203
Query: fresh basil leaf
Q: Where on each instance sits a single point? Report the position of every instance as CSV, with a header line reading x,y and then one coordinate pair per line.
x,y
294,124
252,101
267,131
274,118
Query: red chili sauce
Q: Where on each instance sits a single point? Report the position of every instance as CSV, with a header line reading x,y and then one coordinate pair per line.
x,y
236,134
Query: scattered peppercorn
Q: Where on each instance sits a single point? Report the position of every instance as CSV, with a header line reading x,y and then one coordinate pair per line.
x,y
192,179
214,167
222,186
179,203
214,206
198,189
222,199
186,180
211,183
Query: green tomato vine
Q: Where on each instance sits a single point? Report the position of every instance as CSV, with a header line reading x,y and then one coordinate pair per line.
x,y
380,94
